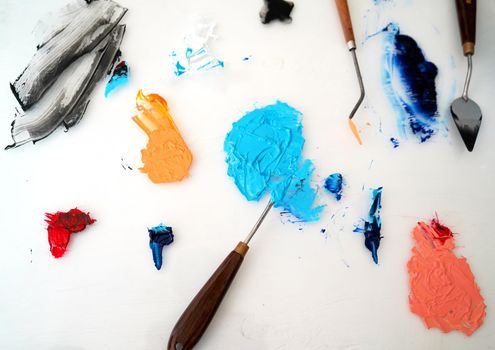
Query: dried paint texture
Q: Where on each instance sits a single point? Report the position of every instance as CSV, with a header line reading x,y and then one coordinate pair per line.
x,y
333,184
264,155
120,77
276,10
373,225
160,236
194,55
61,225
55,88
443,291
409,82
166,157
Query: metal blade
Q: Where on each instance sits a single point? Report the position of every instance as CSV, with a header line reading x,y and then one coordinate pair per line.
x,y
467,118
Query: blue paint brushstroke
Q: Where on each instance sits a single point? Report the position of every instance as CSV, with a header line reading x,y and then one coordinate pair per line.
x,y
333,184
372,227
409,82
160,236
194,60
264,155
394,142
120,76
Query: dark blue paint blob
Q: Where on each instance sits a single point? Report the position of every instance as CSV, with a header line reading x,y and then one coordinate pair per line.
x,y
333,184
394,142
160,236
372,227
409,81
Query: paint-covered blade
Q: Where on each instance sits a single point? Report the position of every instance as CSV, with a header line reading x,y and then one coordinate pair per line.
x,y
467,118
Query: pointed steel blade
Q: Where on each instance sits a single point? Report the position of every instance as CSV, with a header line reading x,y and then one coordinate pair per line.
x,y
467,118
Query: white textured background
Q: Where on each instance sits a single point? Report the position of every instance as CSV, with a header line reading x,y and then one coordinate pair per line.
x,y
294,290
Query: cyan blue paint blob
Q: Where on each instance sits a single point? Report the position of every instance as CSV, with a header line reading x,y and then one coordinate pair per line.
x,y
119,77
333,184
264,155
296,195
373,225
394,142
409,82
160,236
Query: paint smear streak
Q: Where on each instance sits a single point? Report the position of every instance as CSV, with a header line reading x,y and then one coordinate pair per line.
x,y
166,157
160,236
443,289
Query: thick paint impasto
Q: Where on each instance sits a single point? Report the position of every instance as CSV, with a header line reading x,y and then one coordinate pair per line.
x,y
71,58
333,185
409,83
160,236
61,225
443,291
194,54
372,226
276,10
166,157
120,77
264,155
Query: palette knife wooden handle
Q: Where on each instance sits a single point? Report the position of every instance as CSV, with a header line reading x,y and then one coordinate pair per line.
x,y
466,14
345,21
198,315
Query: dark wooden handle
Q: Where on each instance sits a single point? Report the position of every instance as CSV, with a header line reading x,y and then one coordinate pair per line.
x,y
345,20
196,318
466,14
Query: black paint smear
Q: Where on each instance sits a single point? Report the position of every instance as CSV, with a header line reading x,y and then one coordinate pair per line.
x,y
276,9
92,25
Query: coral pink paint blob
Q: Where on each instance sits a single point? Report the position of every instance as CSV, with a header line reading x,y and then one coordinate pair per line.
x,y
443,290
60,227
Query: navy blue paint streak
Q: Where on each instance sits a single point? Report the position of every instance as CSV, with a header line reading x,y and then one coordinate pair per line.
x,y
160,236
373,225
416,94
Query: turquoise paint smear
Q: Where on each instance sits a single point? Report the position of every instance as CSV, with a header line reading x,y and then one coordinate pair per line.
x,y
120,77
264,154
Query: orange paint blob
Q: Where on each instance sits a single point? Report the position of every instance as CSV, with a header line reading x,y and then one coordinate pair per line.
x,y
443,290
166,157
355,131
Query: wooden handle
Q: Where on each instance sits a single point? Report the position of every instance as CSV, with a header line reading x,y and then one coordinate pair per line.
x,y
345,21
196,318
466,14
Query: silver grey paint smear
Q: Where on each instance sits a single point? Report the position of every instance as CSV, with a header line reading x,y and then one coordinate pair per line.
x,y
72,56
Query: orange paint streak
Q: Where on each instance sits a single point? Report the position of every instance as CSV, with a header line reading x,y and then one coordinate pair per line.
x,y
166,157
443,290
355,131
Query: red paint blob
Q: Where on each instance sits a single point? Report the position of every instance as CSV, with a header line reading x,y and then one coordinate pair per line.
x,y
60,227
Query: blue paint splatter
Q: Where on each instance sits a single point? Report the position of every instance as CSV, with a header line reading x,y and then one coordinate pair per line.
x,y
409,82
120,76
264,155
372,227
394,142
160,236
333,184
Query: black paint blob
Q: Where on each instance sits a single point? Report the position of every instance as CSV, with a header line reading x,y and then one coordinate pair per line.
x,y
276,9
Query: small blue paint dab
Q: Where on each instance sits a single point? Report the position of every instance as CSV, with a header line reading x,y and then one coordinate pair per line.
x,y
247,58
120,76
333,184
323,230
394,142
373,225
160,236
